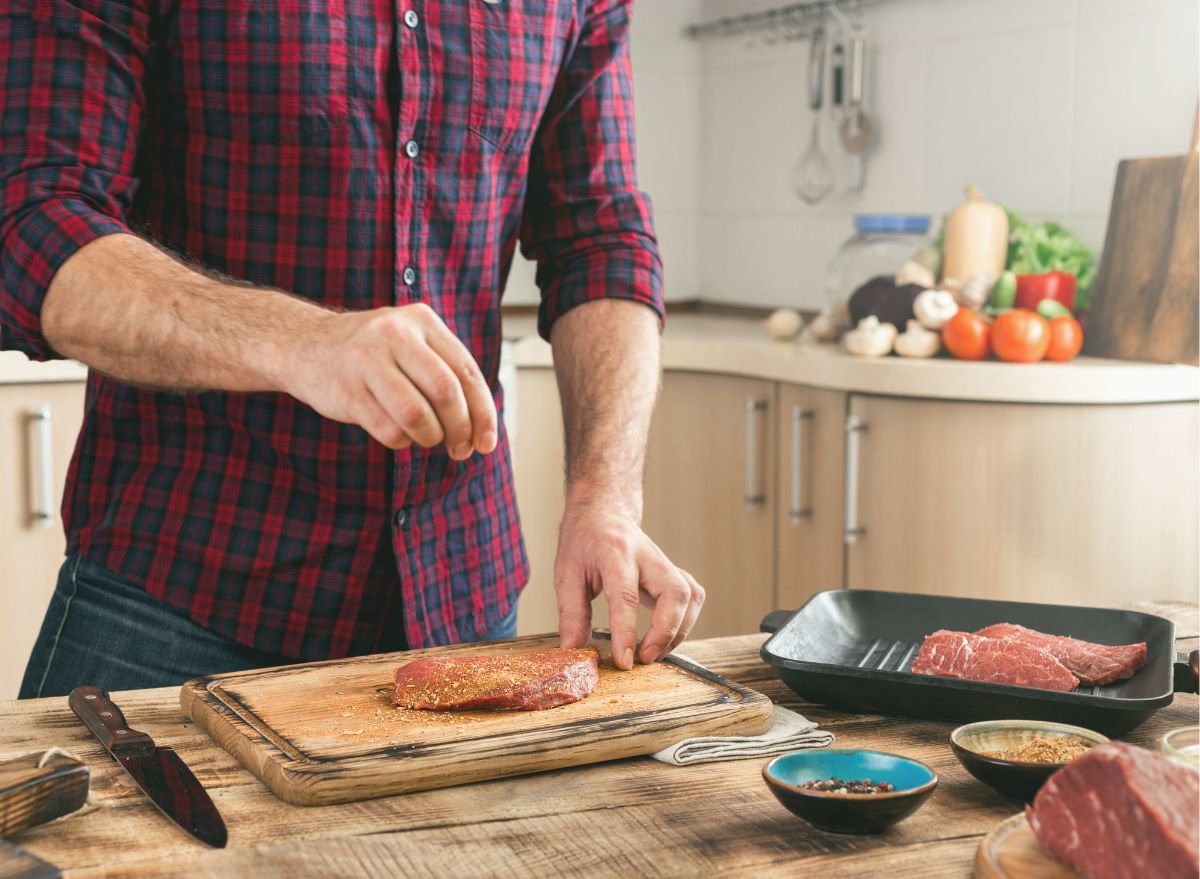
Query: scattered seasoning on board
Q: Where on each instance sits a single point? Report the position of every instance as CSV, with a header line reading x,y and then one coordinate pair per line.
x,y
1055,749
837,785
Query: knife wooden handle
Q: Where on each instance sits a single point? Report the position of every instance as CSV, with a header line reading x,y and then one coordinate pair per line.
x,y
100,714
31,794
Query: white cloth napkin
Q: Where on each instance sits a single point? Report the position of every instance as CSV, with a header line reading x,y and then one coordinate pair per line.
x,y
790,731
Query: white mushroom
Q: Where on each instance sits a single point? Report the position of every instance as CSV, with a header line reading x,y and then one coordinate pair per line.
x,y
784,323
870,338
916,341
913,272
934,307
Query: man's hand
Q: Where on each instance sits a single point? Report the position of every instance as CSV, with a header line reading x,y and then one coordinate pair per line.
x,y
602,550
400,374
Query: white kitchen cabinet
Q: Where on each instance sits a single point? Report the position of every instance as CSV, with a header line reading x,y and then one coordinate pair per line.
x,y
39,424
1066,504
809,514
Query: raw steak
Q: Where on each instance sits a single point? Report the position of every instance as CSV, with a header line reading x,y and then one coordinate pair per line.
x,y
975,658
1121,812
1093,664
515,682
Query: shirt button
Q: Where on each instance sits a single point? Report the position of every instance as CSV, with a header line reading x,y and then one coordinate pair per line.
x,y
411,149
410,276
400,517
411,18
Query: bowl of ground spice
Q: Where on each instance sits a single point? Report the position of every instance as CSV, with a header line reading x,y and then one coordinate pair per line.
x,y
1015,757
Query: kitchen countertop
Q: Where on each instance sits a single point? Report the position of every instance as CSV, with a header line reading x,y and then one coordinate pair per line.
x,y
740,346
631,817
16,368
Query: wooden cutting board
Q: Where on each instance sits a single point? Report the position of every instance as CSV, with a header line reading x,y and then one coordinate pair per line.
x,y
1144,298
1011,851
326,732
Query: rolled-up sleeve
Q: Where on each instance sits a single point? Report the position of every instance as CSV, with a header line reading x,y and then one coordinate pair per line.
x,y
71,104
585,222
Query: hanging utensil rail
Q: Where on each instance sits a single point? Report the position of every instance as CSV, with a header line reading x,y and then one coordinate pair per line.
x,y
795,21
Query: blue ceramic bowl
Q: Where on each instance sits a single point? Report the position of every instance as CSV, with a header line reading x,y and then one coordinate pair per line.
x,y
849,813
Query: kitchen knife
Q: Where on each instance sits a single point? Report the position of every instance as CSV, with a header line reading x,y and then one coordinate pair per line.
x,y
158,771
16,863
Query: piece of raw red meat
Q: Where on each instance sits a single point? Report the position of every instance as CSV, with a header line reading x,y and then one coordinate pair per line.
x,y
975,658
1093,664
1121,812
509,682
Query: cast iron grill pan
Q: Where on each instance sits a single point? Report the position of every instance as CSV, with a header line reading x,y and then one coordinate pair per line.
x,y
853,648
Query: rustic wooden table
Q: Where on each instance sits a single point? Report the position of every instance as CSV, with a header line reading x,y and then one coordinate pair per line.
x,y
633,817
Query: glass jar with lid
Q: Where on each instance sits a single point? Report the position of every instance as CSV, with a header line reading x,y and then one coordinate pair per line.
x,y
881,244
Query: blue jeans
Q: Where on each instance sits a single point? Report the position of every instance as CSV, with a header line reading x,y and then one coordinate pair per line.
x,y
102,631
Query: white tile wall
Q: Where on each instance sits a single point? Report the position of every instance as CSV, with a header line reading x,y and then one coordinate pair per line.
x,y
1033,100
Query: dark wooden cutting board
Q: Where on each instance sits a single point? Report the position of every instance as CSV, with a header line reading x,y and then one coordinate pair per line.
x,y
1146,296
326,732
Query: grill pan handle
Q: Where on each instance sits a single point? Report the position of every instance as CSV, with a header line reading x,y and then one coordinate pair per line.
x,y
1187,670
775,620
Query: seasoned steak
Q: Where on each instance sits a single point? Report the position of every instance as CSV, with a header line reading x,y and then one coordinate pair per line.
x,y
513,682
1093,664
1121,812
975,658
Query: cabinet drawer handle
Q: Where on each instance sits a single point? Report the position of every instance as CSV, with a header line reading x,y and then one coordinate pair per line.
x,y
756,494
799,511
43,513
852,530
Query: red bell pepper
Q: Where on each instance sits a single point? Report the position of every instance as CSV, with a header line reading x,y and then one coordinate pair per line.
x,y
1032,289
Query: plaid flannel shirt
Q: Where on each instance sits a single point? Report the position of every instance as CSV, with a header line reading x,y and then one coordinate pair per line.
x,y
360,153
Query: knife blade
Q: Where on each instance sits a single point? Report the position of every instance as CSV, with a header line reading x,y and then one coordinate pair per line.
x,y
159,772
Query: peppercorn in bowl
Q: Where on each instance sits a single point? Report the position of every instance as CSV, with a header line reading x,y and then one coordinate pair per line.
x,y
1015,757
843,791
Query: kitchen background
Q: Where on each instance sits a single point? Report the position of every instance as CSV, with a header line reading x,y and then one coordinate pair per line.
x,y
779,469
1033,101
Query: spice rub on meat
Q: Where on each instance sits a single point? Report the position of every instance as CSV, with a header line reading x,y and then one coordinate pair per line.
x,y
513,682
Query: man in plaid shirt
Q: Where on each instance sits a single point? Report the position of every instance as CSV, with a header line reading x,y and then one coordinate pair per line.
x,y
278,234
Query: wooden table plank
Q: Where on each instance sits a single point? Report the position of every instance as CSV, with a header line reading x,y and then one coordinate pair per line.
x,y
632,816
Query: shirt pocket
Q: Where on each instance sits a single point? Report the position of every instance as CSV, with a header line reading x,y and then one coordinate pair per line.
x,y
261,71
516,48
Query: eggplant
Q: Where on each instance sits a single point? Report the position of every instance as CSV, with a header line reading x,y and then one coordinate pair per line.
x,y
881,298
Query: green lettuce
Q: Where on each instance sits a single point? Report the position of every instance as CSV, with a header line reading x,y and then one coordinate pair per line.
x,y
1034,248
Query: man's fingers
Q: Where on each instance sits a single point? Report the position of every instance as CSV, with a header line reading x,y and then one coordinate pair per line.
x,y
574,608
443,392
375,420
620,579
403,403
481,407
693,611
672,594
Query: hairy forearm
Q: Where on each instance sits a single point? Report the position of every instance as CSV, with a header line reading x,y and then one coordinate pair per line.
x,y
126,308
607,360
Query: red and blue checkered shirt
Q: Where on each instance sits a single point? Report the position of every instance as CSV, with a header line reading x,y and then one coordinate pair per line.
x,y
360,153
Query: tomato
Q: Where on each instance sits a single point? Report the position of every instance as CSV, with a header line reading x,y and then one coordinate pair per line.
x,y
1066,338
966,335
1020,336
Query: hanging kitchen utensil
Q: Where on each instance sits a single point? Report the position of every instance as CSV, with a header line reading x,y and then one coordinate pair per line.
x,y
812,177
837,68
856,125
